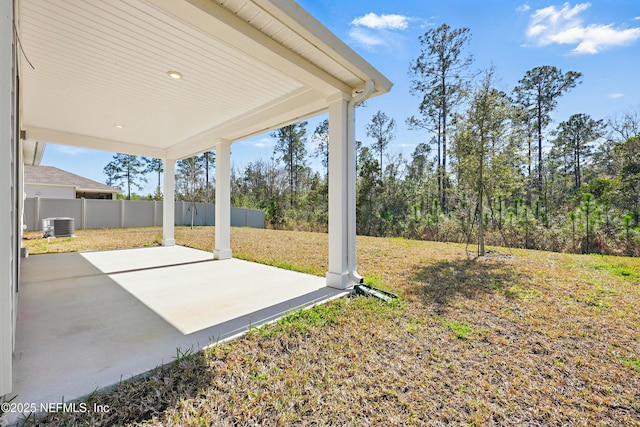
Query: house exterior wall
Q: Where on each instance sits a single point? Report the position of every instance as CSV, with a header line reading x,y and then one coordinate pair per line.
x,y
96,195
50,191
8,194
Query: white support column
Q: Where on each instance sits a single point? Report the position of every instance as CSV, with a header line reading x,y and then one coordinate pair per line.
x,y
7,257
168,203
351,193
222,248
338,274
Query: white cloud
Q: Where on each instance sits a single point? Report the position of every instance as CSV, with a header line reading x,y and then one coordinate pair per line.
x,y
564,25
523,8
616,95
382,22
373,31
366,38
264,142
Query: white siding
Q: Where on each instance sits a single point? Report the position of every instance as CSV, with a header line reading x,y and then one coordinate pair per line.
x,y
8,200
50,191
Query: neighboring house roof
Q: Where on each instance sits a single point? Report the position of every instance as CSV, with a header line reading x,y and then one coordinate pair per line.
x,y
50,175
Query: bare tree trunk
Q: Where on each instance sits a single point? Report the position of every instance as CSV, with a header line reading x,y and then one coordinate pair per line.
x,y
481,251
528,196
539,149
578,180
445,184
439,174
128,185
206,175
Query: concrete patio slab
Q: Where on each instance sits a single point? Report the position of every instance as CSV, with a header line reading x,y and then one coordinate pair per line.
x,y
138,259
90,320
193,297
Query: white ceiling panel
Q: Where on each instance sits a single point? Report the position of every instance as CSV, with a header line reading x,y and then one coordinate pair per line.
x,y
98,64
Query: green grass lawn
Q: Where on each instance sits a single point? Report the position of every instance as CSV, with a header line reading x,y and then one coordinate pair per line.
x,y
517,338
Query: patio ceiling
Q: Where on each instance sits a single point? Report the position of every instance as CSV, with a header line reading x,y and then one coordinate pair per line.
x,y
99,77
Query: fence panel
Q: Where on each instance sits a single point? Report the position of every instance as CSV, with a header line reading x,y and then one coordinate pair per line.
x,y
100,214
31,214
238,217
158,214
211,215
55,209
204,214
92,213
255,218
36,209
138,213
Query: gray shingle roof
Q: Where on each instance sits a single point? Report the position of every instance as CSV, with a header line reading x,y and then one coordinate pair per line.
x,y
53,176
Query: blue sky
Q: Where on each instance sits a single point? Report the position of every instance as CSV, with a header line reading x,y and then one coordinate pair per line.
x,y
600,39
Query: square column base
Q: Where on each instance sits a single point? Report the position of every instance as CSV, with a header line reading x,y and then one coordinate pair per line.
x,y
339,281
168,242
222,254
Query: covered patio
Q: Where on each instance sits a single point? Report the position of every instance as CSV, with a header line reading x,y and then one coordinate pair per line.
x,y
167,79
89,320
173,79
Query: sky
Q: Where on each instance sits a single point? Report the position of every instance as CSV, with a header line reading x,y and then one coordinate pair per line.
x,y
600,39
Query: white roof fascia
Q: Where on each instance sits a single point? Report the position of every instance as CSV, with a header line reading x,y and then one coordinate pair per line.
x,y
32,152
299,20
48,184
85,141
75,187
95,190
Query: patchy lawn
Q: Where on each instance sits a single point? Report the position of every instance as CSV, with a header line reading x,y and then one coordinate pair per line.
x,y
517,338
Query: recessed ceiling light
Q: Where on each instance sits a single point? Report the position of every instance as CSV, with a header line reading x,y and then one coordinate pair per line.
x,y
119,126
174,75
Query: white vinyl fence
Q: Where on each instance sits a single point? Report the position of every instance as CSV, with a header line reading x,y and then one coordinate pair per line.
x,y
94,213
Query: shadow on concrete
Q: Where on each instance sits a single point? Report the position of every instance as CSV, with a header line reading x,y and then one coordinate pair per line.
x,y
79,331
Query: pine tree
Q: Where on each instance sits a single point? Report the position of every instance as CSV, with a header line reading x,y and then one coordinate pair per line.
x,y
321,139
479,143
126,170
574,137
382,129
537,93
208,160
156,166
440,79
189,184
290,145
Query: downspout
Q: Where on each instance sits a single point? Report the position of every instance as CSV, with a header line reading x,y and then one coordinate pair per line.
x,y
351,190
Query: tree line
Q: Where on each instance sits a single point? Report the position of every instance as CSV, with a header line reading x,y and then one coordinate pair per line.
x,y
194,176
493,169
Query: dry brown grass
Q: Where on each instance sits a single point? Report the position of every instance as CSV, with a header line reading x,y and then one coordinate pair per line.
x,y
532,338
